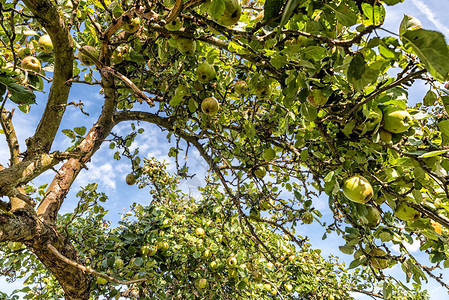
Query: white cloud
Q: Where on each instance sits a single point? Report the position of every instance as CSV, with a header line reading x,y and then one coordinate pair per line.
x,y
412,248
431,16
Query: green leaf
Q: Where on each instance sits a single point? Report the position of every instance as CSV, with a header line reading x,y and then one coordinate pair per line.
x,y
69,133
433,153
344,14
387,290
431,48
272,9
356,67
409,23
430,98
444,127
373,15
80,130
21,94
309,112
289,9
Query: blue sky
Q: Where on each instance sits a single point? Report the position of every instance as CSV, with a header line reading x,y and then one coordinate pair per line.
x,y
434,14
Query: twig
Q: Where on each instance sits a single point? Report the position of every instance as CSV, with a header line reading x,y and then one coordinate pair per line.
x,y
91,271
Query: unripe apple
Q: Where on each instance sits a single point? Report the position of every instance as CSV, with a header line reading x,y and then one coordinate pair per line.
x,y
373,118
358,189
231,262
31,63
85,59
254,213
210,106
130,179
207,254
307,217
23,52
262,90
260,172
205,72
202,283
385,136
200,232
316,97
241,87
373,216
132,26
163,246
174,25
378,258
406,213
186,46
45,43
117,57
118,263
214,265
102,281
288,287
257,275
269,154
228,16
396,120
267,286
266,204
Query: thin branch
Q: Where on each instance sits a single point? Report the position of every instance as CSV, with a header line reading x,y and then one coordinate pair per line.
x,y
91,271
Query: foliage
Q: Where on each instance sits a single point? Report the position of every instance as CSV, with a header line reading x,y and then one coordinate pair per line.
x,y
320,76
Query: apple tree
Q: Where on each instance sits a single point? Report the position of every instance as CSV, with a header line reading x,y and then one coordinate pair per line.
x,y
286,102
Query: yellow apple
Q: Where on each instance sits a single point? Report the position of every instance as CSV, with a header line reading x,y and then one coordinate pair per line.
x,y
31,63
45,43
396,120
358,189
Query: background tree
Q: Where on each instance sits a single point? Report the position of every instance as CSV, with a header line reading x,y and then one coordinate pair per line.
x,y
283,100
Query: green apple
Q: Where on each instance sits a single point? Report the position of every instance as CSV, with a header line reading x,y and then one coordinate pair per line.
x,y
31,63
316,97
132,26
225,12
266,204
200,232
186,46
45,43
358,189
163,246
262,90
385,136
231,262
260,172
373,118
269,154
378,258
148,250
214,265
288,287
207,253
85,59
117,57
210,106
205,72
102,281
174,25
182,91
23,52
307,217
130,179
396,120
202,283
118,263
373,216
257,275
406,213
254,214
241,87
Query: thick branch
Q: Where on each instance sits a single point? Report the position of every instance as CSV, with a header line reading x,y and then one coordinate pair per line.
x,y
59,187
47,14
11,137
